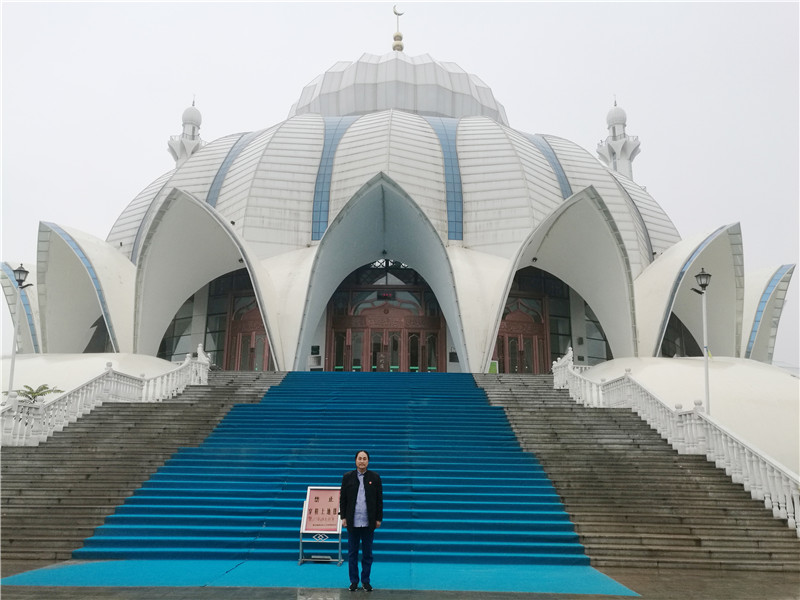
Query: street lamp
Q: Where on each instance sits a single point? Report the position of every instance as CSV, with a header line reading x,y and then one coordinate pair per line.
x,y
20,274
703,279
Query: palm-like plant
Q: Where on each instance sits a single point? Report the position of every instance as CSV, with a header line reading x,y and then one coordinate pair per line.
x,y
35,394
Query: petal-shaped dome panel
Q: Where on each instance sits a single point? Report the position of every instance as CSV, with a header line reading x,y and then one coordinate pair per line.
x,y
417,84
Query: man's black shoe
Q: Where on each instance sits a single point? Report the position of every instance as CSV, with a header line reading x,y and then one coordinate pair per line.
x,y
367,587
353,587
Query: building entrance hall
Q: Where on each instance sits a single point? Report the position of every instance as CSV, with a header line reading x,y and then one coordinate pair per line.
x,y
384,317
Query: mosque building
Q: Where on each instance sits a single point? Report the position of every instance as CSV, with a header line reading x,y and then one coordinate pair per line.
x,y
395,221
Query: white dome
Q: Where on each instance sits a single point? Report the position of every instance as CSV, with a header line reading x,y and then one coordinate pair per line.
x,y
616,116
529,176
192,116
416,84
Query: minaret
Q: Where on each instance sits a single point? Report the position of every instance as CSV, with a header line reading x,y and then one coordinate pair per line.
x,y
397,46
619,149
183,146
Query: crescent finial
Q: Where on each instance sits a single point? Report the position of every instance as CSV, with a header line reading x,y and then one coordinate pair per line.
x,y
398,37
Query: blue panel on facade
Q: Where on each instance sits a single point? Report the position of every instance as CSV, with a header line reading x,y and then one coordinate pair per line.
x,y
335,128
446,129
233,153
544,147
93,276
762,305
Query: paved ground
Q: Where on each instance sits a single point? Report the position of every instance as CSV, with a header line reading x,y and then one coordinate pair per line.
x,y
665,584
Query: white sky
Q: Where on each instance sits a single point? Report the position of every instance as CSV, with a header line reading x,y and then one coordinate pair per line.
x,y
92,91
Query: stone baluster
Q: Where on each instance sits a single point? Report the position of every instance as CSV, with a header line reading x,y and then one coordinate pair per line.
x,y
23,424
757,489
108,378
628,390
746,466
204,364
794,507
782,489
147,389
59,414
10,417
735,459
37,425
681,425
701,439
773,491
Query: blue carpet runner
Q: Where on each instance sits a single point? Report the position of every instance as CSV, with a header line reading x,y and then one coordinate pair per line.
x,y
457,486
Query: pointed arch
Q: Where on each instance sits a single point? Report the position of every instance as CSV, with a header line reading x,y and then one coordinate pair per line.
x,y
581,244
766,304
379,221
84,284
28,329
664,289
189,238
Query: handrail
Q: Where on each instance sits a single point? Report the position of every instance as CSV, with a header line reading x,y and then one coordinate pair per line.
x,y
690,432
26,423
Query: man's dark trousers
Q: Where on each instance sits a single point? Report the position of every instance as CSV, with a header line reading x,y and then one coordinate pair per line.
x,y
362,536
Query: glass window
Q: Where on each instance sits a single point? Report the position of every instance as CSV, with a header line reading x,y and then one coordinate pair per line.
x,y
216,323
394,351
358,349
413,352
377,346
678,340
339,339
559,307
597,348
218,305
513,355
431,343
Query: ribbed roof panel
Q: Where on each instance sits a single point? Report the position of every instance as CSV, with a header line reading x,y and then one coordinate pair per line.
x,y
417,84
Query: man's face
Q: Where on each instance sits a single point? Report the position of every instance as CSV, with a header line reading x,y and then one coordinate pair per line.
x,y
362,461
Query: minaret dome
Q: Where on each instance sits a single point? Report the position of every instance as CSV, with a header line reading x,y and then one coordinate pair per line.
x,y
619,149
192,116
183,146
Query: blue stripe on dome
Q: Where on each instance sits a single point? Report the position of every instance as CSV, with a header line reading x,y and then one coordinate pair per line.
x,y
335,128
26,306
446,129
762,305
233,153
544,147
93,276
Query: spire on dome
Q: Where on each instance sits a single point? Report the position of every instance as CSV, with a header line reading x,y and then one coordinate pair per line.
x,y
397,46
619,149
183,146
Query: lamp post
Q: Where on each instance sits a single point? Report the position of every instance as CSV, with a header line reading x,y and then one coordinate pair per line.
x,y
703,279
20,274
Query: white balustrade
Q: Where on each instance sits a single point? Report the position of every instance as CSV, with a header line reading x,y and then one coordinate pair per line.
x,y
690,432
26,423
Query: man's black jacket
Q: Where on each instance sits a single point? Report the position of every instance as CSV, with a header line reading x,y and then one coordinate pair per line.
x,y
373,490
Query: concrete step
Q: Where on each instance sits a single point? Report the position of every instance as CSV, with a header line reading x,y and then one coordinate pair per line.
x,y
54,495
703,531
634,501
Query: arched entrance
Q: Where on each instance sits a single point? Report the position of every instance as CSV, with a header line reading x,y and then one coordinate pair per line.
x,y
229,323
384,317
246,348
523,339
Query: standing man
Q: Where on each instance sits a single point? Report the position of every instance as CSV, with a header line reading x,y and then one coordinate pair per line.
x,y
361,509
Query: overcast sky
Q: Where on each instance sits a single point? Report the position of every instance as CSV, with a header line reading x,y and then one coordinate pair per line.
x,y
92,91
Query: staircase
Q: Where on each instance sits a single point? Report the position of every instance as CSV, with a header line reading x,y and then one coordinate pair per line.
x,y
635,502
54,495
457,486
